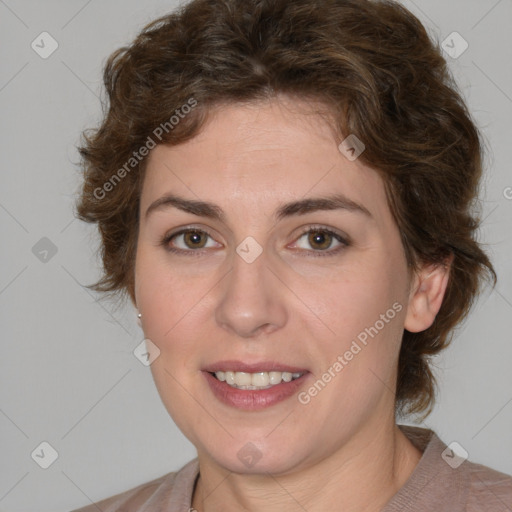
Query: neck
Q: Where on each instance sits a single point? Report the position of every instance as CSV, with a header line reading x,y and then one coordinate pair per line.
x,y
362,475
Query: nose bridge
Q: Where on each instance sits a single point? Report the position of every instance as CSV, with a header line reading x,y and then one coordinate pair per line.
x,y
250,300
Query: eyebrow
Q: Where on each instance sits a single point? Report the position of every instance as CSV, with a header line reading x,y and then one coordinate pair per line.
x,y
300,207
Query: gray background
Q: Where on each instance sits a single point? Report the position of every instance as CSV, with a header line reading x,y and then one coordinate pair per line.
x,y
68,375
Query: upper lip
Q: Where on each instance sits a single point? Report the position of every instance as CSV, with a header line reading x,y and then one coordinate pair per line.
x,y
263,366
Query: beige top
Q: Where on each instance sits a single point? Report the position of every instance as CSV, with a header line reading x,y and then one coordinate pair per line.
x,y
439,483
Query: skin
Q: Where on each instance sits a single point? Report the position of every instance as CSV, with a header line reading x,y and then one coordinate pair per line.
x,y
343,449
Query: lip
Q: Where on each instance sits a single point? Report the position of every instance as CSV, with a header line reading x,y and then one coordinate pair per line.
x,y
263,366
250,399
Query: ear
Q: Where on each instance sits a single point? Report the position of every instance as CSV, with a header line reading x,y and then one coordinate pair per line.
x,y
426,295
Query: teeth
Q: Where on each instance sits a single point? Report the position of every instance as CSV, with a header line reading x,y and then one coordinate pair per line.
x,y
258,380
243,379
275,377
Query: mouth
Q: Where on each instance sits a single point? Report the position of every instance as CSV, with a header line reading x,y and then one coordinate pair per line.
x,y
253,386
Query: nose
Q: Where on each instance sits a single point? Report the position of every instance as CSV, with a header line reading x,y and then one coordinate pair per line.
x,y
252,299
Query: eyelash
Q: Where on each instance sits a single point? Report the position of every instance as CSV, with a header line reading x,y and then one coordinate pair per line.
x,y
311,228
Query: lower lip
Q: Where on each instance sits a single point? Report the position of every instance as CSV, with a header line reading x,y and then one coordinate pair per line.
x,y
253,400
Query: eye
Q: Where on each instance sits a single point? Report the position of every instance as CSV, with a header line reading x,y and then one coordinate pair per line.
x,y
190,241
187,240
321,239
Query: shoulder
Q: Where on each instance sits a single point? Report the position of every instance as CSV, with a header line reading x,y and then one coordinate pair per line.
x,y
489,490
132,499
448,482
158,494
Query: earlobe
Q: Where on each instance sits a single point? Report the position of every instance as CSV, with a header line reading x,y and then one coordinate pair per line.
x,y
426,296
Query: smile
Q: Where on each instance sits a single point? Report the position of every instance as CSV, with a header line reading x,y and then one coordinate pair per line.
x,y
257,380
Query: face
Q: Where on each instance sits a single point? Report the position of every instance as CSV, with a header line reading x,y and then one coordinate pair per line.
x,y
267,282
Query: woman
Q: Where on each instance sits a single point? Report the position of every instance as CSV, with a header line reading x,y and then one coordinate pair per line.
x,y
284,190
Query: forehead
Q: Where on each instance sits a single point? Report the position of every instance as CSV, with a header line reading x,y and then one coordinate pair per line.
x,y
261,155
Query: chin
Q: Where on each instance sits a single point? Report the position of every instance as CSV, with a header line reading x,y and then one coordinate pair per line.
x,y
257,456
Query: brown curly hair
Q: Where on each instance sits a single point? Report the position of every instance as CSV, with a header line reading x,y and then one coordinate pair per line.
x,y
383,79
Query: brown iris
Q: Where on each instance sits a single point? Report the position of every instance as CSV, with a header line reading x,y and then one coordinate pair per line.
x,y
321,239
195,238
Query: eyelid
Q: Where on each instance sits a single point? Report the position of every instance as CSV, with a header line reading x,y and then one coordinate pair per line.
x,y
320,227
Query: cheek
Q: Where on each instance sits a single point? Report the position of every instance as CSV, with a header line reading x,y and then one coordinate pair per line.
x,y
176,392
358,366
163,296
368,297
173,311
365,309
